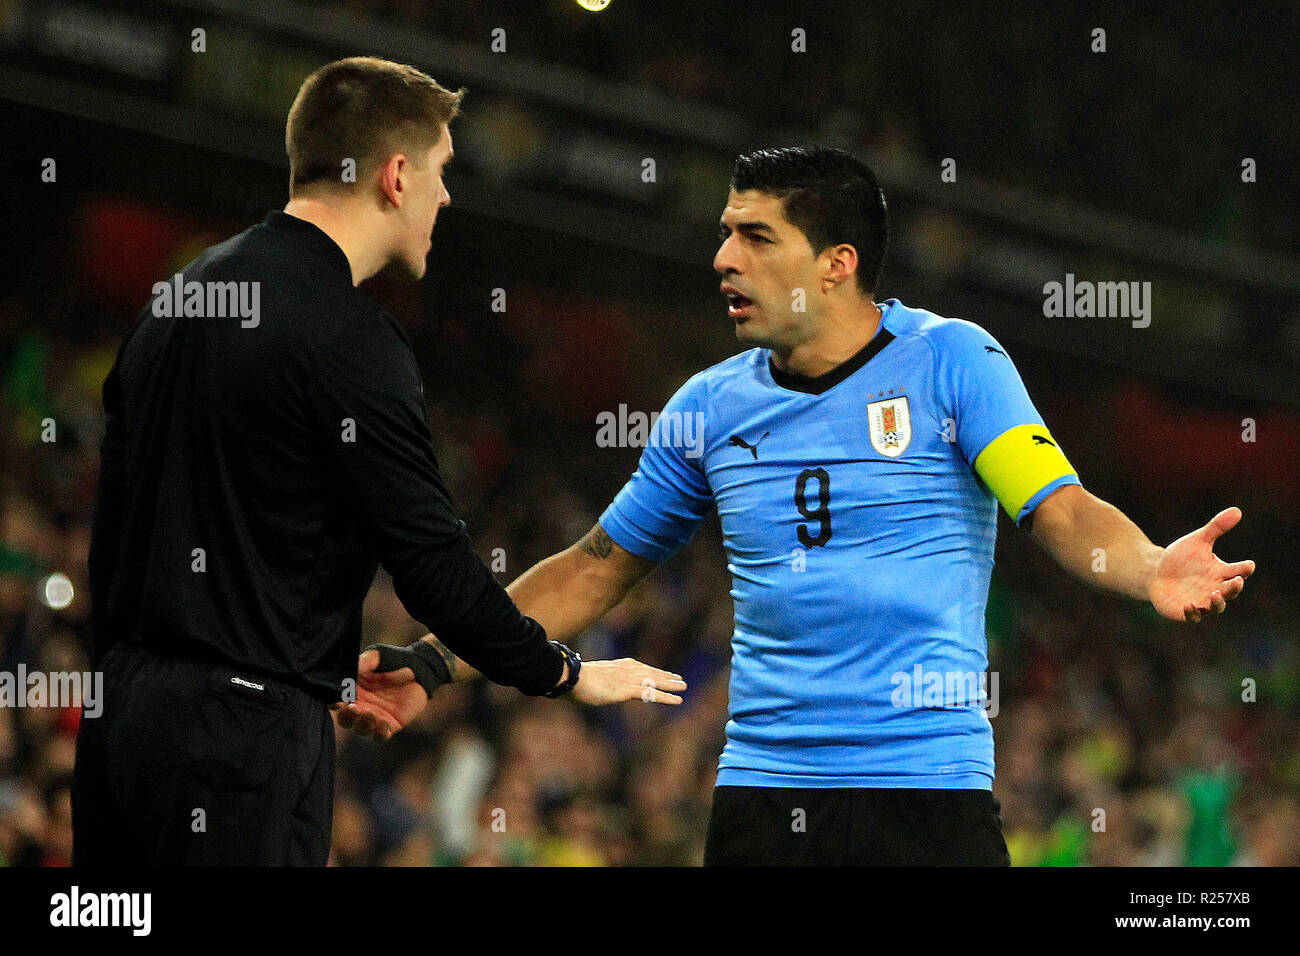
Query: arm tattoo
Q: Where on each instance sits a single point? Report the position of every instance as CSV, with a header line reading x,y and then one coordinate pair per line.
x,y
448,658
597,543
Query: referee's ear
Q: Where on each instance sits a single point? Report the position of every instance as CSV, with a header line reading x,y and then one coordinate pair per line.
x,y
392,179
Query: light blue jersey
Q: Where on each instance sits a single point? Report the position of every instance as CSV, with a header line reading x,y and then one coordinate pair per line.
x,y
860,543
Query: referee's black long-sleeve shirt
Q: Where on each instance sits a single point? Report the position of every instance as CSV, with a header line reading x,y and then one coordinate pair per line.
x,y
253,477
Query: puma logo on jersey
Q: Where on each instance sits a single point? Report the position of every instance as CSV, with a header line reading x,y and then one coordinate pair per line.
x,y
1040,440
989,348
739,442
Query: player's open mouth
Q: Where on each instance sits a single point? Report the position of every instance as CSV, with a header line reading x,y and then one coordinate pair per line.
x,y
738,306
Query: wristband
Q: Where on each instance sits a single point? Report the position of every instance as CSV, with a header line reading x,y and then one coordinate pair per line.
x,y
421,657
575,665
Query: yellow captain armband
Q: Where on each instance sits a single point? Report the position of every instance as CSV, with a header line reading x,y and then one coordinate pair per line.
x,y
1019,463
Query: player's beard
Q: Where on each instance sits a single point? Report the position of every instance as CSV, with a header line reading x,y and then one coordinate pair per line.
x,y
754,332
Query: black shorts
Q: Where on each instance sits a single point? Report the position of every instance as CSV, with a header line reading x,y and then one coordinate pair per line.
x,y
783,826
199,764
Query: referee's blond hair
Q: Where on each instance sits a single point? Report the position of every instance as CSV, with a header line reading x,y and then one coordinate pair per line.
x,y
363,109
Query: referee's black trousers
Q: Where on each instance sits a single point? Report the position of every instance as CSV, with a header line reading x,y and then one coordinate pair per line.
x,y
198,764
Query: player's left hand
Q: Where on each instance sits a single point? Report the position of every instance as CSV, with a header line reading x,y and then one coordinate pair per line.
x,y
1190,581
386,701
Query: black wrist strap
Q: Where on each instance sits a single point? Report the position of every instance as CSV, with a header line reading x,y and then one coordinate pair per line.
x,y
421,657
575,665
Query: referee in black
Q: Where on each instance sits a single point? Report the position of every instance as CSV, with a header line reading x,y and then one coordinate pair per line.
x,y
266,450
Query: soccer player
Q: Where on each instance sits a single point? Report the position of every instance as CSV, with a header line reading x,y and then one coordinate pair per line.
x,y
856,454
259,464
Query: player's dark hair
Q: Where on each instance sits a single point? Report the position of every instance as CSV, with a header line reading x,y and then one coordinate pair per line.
x,y
364,109
831,196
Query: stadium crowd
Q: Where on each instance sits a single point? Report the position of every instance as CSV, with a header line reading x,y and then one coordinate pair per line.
x,y
1174,97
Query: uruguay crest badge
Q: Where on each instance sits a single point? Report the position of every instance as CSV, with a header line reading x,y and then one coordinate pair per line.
x,y
890,422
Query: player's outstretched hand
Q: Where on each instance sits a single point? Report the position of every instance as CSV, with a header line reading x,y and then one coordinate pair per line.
x,y
612,682
1190,581
386,701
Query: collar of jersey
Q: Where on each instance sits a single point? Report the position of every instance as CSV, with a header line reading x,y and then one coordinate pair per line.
x,y
326,250
816,384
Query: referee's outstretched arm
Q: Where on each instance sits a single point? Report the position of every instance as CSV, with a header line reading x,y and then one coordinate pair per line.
x,y
568,592
367,375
